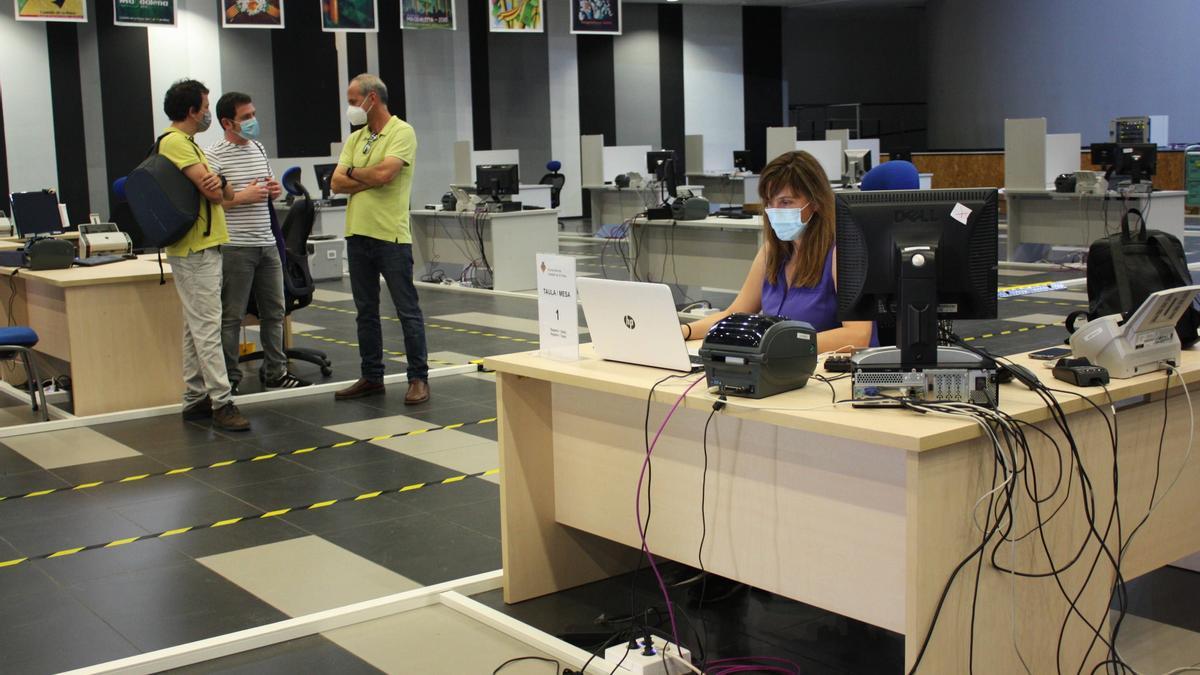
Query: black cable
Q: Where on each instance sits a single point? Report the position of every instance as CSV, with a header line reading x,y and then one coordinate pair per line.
x,y
829,382
502,666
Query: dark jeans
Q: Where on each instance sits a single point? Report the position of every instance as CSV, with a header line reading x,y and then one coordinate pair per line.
x,y
369,258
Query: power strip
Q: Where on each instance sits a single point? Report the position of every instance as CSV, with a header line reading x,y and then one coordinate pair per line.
x,y
637,663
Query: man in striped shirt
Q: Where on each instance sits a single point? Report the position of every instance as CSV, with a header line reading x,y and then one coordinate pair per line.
x,y
251,260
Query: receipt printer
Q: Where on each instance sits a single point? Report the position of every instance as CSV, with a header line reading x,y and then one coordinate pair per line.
x,y
103,239
755,356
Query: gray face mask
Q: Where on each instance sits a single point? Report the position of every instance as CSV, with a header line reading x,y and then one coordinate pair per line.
x,y
205,122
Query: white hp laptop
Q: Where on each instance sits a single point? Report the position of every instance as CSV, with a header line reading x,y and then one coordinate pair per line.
x,y
634,322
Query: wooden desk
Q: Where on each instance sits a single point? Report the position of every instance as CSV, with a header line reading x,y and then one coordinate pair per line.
x,y
863,513
120,330
712,253
511,241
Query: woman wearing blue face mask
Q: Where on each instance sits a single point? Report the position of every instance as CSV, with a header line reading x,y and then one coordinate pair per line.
x,y
794,274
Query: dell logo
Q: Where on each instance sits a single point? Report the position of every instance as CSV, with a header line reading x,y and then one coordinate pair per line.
x,y
909,215
629,322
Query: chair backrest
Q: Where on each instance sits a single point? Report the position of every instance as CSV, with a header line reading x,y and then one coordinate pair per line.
x,y
556,181
297,225
896,174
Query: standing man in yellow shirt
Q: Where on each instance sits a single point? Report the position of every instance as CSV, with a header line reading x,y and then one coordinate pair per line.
x,y
376,170
196,262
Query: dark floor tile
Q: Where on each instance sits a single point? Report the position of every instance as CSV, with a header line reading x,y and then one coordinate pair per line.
x,y
468,389
23,579
335,459
106,562
314,654
12,462
395,472
306,437
113,469
153,435
246,534
482,517
424,548
114,495
51,632
266,422
322,410
187,510
169,606
303,491
83,528
1167,595
249,473
435,498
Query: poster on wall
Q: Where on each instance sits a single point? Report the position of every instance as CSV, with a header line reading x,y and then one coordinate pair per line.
x,y
51,10
596,17
516,16
350,16
144,12
427,15
252,14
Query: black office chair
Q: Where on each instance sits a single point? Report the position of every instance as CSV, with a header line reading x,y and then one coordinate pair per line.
x,y
555,180
298,285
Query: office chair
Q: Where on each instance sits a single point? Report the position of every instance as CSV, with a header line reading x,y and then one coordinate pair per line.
x,y
16,340
896,174
298,285
555,180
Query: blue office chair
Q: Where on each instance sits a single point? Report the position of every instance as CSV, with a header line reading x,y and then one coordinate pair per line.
x,y
16,340
894,175
555,180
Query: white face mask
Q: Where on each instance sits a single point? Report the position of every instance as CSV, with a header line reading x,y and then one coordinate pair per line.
x,y
356,115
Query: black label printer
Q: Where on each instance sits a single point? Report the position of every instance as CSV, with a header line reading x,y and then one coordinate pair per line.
x,y
755,356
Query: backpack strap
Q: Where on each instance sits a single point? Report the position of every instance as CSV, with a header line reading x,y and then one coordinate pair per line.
x,y
1120,274
1163,241
207,204
157,143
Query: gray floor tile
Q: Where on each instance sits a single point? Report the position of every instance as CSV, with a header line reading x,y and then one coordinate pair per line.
x,y
68,447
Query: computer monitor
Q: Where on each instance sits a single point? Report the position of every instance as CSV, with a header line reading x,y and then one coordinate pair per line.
x,y
917,256
741,160
324,173
857,161
1136,160
35,213
497,180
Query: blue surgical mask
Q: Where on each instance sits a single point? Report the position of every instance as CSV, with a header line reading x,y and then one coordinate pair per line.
x,y
787,223
249,129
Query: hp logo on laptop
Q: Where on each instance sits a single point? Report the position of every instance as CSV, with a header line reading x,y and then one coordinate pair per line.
x,y
629,322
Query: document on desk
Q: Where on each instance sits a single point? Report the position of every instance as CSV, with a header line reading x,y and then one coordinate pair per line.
x,y
558,316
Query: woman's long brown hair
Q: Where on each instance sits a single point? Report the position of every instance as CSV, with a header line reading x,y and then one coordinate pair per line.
x,y
802,173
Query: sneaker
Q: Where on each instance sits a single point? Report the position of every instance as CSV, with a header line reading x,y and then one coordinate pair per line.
x,y
229,418
200,410
359,389
287,381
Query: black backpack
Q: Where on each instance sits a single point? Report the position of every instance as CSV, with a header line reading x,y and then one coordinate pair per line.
x,y
164,201
1124,268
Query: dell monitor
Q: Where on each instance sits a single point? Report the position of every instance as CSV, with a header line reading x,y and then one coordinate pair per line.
x,y
741,160
324,173
662,165
856,163
917,256
1136,161
497,180
36,213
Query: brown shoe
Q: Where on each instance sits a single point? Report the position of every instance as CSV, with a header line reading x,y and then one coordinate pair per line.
x,y
418,392
200,410
359,389
229,418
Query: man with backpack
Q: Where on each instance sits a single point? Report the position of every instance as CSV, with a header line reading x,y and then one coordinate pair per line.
x,y
195,260
251,260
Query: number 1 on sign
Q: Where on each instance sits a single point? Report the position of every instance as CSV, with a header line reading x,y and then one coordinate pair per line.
x,y
556,316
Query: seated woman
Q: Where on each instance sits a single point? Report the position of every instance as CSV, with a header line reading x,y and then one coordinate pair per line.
x,y
794,274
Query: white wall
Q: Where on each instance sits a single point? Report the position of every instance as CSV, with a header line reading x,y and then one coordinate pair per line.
x,y
564,106
713,103
28,108
191,48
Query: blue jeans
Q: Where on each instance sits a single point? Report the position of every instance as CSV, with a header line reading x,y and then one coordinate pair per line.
x,y
369,258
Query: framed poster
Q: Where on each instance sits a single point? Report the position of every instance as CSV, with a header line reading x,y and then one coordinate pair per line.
x,y
428,15
516,16
50,10
252,14
596,17
350,16
144,12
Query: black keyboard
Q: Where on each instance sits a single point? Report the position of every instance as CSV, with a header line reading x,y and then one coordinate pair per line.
x,y
99,260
